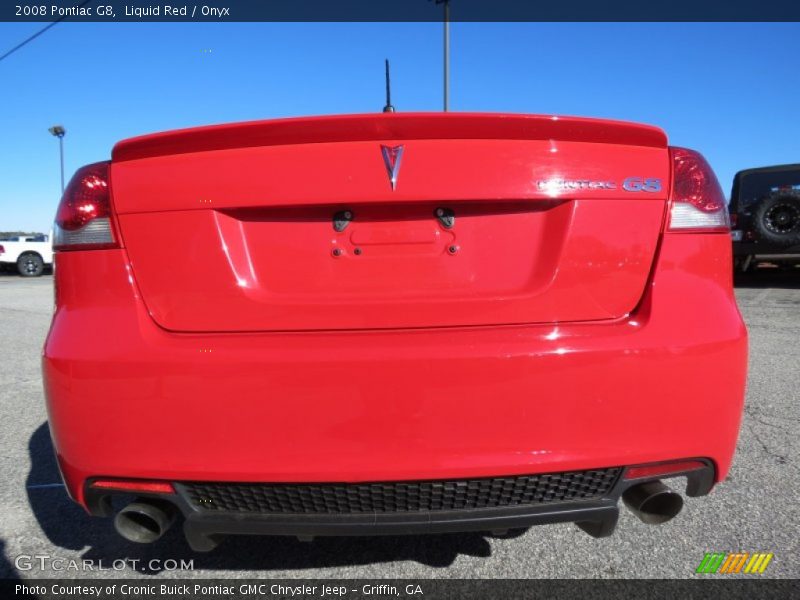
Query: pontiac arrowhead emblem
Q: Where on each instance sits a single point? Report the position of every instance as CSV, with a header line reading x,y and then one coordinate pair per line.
x,y
392,155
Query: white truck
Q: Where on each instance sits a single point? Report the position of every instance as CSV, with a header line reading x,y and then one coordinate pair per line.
x,y
28,254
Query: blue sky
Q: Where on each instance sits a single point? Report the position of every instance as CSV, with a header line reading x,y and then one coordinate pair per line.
x,y
731,91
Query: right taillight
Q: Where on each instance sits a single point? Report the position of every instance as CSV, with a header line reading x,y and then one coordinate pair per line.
x,y
84,219
697,202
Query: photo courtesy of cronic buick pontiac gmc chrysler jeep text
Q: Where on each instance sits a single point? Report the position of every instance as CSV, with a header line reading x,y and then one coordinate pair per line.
x,y
393,323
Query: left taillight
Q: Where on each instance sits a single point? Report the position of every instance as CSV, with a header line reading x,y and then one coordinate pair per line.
x,y
85,219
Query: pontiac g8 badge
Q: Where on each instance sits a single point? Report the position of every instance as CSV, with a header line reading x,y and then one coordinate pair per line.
x,y
630,184
392,155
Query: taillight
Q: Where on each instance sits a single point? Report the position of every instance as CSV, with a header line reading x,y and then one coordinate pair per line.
x,y
2,249
84,218
697,202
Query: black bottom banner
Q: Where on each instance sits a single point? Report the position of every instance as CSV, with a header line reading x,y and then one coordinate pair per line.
x,y
300,589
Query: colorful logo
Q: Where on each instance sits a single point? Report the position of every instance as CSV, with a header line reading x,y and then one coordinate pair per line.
x,y
734,562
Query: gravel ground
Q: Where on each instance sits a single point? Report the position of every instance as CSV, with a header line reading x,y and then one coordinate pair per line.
x,y
755,510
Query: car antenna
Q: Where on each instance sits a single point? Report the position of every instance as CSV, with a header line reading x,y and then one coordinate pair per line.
x,y
388,108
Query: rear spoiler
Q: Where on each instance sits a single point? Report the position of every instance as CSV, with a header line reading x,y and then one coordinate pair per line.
x,y
389,126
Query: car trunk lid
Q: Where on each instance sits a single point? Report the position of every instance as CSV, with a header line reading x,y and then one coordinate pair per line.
x,y
296,224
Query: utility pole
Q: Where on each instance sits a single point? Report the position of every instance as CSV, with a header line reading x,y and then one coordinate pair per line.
x,y
446,55
59,132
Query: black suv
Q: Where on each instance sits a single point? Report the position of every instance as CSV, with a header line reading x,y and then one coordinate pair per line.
x,y
765,215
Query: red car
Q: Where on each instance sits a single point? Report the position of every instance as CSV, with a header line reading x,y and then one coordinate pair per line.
x,y
393,323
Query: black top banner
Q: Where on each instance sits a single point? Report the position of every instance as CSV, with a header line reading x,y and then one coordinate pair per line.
x,y
400,10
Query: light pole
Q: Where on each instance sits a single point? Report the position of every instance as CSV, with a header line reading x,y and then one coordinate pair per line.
x,y
60,132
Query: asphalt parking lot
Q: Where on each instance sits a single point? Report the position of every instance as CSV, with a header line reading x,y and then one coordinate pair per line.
x,y
755,510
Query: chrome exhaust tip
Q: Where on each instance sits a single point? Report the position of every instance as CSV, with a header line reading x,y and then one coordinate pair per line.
x,y
653,502
145,521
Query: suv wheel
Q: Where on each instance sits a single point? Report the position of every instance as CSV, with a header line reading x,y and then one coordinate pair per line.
x,y
30,265
777,219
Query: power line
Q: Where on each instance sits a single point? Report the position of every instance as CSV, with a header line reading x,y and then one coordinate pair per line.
x,y
38,33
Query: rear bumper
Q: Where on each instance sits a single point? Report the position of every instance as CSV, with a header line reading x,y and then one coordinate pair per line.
x,y
596,514
128,399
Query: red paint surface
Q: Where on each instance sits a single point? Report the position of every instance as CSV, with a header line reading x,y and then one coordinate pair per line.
x,y
617,349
